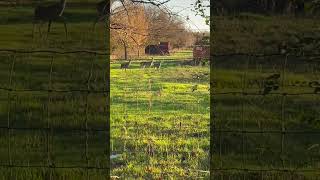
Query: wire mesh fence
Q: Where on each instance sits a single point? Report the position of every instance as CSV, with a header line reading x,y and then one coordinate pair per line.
x,y
160,121
265,116
54,115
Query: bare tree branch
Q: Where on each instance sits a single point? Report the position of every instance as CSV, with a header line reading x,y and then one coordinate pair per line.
x,y
124,6
152,2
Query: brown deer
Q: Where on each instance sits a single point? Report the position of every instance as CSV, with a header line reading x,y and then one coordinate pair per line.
x,y
48,14
188,63
125,65
157,65
146,64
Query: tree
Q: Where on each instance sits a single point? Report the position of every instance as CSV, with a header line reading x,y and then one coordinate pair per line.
x,y
129,27
164,26
200,7
133,26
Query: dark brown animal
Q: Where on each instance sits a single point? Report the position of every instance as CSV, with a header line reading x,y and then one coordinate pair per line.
x,y
125,65
48,14
157,65
146,64
189,63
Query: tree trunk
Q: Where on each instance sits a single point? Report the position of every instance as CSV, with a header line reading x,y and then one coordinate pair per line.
x,y
125,50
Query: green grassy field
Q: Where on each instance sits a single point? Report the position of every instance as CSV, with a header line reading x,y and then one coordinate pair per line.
x,y
50,128
160,127
66,112
249,127
174,124
16,29
271,136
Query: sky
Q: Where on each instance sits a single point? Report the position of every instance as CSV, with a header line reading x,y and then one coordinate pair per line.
x,y
184,7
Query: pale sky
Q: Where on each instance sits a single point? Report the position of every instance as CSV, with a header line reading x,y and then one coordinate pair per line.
x,y
184,7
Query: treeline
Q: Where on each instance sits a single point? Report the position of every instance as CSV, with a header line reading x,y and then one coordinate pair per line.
x,y
135,26
269,7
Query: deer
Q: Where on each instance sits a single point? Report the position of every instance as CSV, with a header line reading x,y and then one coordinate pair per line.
x,y
188,63
146,64
125,65
103,11
157,65
143,64
48,14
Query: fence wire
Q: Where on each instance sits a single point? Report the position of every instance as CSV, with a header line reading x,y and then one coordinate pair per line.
x,y
265,116
54,114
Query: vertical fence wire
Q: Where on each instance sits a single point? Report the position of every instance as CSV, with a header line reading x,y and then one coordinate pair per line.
x,y
9,112
49,131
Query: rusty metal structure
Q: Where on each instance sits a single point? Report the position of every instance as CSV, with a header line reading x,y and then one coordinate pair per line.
x,y
163,48
201,52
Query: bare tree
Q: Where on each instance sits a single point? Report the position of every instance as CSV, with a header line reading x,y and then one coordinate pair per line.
x,y
166,27
132,27
201,7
